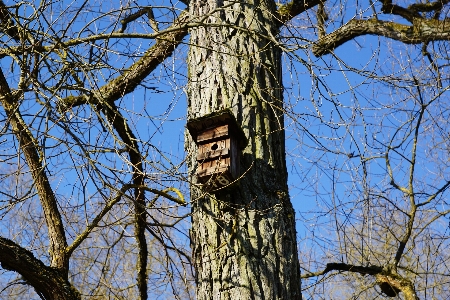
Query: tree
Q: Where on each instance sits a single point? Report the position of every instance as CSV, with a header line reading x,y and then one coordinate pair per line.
x,y
243,236
380,222
74,137
68,114
255,73
389,228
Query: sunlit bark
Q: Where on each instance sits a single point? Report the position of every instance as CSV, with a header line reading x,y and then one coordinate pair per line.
x,y
243,237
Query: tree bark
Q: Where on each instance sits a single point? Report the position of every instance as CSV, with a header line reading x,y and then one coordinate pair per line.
x,y
243,236
49,283
33,156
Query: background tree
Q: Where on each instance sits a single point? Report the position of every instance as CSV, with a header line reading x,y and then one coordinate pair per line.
x,y
380,221
101,213
389,211
80,127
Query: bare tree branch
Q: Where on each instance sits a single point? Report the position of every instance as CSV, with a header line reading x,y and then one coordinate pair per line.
x,y
421,31
427,7
389,8
288,11
33,156
389,281
133,76
47,281
370,270
7,24
120,125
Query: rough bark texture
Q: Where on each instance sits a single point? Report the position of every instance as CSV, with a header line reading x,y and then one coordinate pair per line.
x,y
48,282
393,284
243,236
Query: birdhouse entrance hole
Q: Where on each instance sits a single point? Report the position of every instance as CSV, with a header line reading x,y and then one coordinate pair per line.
x,y
220,140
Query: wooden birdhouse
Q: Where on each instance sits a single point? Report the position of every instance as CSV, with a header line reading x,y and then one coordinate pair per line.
x,y
219,139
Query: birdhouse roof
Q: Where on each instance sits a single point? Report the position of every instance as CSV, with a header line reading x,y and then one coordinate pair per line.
x,y
218,118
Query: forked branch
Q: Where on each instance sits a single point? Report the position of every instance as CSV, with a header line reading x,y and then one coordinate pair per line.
x,y
48,282
288,11
386,278
133,76
421,31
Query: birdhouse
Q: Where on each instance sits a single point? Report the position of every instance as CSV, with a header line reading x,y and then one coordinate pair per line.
x,y
219,139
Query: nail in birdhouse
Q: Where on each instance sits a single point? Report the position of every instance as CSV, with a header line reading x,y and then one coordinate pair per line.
x,y
219,139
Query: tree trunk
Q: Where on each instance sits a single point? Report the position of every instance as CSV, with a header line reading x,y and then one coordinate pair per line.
x,y
243,236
